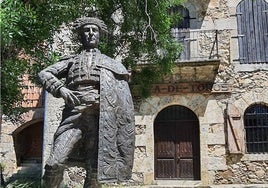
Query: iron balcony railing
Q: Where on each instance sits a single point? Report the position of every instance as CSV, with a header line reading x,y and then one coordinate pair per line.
x,y
197,45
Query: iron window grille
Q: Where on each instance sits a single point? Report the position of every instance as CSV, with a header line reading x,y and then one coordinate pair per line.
x,y
256,126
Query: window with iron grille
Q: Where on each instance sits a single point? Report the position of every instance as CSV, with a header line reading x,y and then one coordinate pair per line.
x,y
256,125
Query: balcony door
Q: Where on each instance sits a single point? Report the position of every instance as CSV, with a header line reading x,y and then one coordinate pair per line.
x,y
181,29
177,150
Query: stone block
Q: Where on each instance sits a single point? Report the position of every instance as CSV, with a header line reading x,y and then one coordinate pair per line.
x,y
140,140
251,167
208,24
140,129
137,177
216,150
208,177
188,73
217,163
205,74
216,134
216,138
6,148
213,3
141,161
233,3
141,164
227,174
7,139
213,113
148,178
216,128
260,173
224,24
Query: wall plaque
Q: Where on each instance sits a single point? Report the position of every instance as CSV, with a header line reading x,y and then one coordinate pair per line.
x,y
177,88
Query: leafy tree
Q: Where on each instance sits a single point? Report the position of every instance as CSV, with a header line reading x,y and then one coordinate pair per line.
x,y
141,32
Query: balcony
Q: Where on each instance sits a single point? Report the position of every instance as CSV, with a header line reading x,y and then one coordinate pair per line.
x,y
199,60
197,45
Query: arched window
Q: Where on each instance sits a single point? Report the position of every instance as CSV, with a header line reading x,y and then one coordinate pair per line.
x,y
181,29
182,20
256,125
252,25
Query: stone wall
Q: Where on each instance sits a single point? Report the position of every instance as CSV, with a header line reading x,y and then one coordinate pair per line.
x,y
247,81
8,128
7,152
249,87
244,172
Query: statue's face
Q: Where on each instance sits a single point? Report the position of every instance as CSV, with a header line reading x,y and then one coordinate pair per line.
x,y
90,36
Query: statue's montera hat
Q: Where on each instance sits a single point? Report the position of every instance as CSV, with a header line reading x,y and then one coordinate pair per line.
x,y
80,22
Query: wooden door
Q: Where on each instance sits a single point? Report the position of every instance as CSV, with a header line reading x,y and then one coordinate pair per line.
x,y
177,148
252,26
28,143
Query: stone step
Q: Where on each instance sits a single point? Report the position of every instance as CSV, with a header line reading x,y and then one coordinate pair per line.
x,y
32,160
29,170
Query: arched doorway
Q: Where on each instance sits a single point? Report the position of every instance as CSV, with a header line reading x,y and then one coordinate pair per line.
x,y
28,143
177,145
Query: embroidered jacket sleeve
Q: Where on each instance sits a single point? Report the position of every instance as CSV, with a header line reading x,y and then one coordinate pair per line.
x,y
50,77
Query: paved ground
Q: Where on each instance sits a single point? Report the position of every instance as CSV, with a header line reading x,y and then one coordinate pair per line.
x,y
242,186
185,186
214,186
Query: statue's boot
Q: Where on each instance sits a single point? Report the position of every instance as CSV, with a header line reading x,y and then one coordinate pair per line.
x,y
91,180
52,177
87,183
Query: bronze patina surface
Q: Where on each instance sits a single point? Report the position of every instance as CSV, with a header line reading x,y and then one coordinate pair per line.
x,y
97,126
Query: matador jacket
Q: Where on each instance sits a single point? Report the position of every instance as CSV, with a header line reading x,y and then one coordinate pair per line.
x,y
116,119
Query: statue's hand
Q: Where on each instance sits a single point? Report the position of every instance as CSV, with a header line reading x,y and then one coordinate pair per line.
x,y
69,96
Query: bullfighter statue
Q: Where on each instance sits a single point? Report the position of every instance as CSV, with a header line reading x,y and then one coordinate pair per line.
x,y
97,126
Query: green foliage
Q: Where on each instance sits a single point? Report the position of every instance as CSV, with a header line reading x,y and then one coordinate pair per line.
x,y
10,84
25,183
29,25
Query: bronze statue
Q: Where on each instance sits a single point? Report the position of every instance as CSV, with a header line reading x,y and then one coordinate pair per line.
x,y
97,127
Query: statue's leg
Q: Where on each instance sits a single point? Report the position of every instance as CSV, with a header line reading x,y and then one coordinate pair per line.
x,y
53,176
87,183
62,147
91,180
66,136
90,128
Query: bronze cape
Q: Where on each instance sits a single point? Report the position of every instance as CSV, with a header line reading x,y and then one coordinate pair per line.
x,y
116,114
116,128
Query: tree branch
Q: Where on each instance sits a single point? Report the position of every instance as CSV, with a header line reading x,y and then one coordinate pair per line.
x,y
149,26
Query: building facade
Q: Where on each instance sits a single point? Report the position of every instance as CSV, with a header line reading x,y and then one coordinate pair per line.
x,y
206,123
